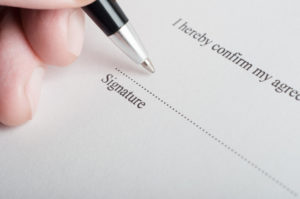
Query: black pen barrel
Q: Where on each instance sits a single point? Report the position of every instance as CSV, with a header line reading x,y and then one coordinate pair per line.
x,y
107,14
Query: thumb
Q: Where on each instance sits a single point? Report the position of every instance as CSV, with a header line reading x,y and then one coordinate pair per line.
x,y
45,4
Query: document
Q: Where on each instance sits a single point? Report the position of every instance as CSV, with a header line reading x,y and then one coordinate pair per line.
x,y
218,119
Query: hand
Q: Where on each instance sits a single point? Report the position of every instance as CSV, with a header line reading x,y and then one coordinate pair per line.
x,y
29,39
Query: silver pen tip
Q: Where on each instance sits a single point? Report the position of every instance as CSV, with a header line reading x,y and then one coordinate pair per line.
x,y
147,64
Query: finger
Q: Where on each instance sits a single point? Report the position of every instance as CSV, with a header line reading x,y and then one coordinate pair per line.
x,y
20,72
45,4
55,35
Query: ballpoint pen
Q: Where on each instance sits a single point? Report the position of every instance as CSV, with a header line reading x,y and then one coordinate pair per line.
x,y
108,15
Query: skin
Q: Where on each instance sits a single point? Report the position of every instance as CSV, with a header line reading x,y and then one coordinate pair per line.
x,y
33,34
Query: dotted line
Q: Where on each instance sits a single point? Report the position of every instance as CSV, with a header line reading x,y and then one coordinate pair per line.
x,y
229,148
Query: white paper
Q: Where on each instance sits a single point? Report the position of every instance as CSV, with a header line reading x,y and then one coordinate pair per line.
x,y
209,128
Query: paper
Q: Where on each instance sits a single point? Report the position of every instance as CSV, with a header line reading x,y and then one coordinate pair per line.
x,y
219,118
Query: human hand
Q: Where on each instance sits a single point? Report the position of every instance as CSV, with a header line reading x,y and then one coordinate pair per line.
x,y
46,32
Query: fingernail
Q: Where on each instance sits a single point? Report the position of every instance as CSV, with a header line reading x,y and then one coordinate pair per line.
x,y
83,2
75,31
33,88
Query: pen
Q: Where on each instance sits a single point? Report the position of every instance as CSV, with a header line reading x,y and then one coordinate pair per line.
x,y
111,19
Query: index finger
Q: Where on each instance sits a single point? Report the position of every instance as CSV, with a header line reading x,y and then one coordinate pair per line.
x,y
45,4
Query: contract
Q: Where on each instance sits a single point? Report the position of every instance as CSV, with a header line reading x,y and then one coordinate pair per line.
x,y
218,120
